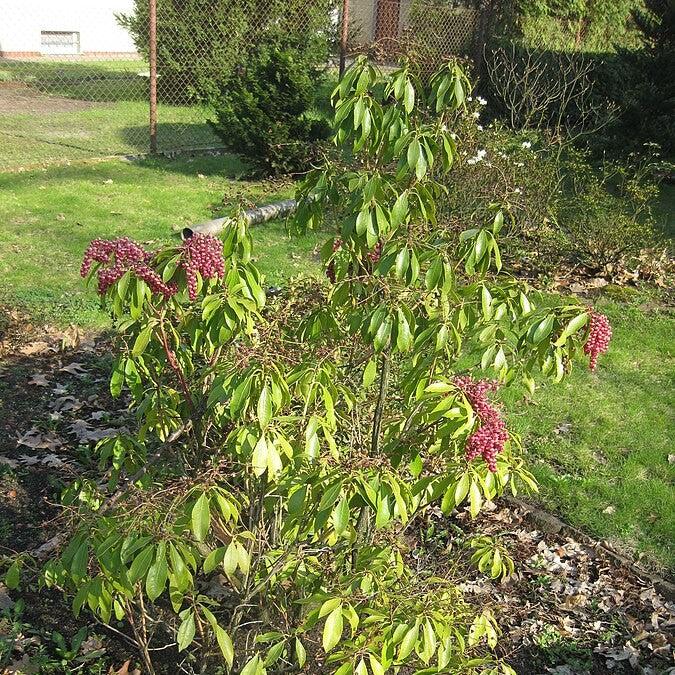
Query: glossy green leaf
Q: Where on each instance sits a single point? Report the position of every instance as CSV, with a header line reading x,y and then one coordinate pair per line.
x,y
201,517
332,630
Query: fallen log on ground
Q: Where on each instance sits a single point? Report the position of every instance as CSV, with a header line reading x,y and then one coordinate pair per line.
x,y
255,216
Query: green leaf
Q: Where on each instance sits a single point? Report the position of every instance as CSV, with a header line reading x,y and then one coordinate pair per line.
x,y
403,334
341,516
433,275
486,302
224,641
274,653
328,606
142,340
240,396
414,152
201,518
543,329
78,567
117,378
265,407
475,499
408,642
369,373
399,211
252,667
498,222
300,653
260,457
421,167
141,564
439,388
571,328
375,665
179,568
362,221
462,488
186,632
157,574
481,245
332,630
12,576
409,97
382,336
402,262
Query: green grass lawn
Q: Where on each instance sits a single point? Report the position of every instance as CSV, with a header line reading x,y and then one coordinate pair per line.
x,y
49,216
67,110
599,444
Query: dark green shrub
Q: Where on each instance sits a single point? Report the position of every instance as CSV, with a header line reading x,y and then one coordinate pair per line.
x,y
266,113
201,43
587,25
643,83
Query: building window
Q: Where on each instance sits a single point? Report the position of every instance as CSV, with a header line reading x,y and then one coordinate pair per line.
x,y
59,42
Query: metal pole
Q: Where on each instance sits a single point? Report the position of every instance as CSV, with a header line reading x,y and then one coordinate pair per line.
x,y
153,74
344,35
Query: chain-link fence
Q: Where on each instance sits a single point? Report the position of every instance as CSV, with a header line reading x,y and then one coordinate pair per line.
x,y
426,31
75,76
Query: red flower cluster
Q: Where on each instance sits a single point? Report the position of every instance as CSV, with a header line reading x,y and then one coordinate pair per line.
x,y
122,255
599,335
488,440
375,255
330,270
202,254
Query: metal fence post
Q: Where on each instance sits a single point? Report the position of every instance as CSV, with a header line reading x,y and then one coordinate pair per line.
x,y
153,74
344,35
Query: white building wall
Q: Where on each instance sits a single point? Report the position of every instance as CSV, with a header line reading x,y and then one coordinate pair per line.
x,y
22,21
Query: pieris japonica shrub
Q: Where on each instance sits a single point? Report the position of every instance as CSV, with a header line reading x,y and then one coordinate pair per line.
x,y
255,517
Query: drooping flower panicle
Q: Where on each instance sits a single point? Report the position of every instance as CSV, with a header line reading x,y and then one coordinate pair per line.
x,y
599,335
119,256
203,254
489,439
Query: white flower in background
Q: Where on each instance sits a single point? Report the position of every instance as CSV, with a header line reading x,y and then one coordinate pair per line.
x,y
444,127
469,98
475,115
520,164
453,135
503,155
517,191
527,145
479,127
481,100
480,156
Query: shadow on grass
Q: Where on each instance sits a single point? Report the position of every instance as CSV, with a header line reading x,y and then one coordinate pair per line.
x,y
86,81
191,164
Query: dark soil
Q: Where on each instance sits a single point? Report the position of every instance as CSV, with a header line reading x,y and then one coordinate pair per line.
x,y
18,98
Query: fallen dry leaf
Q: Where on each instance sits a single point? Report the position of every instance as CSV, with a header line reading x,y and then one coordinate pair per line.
x,y
75,368
124,670
39,380
38,440
11,463
21,667
5,601
33,348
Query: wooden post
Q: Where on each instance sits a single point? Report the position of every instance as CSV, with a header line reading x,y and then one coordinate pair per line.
x,y
153,74
344,35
